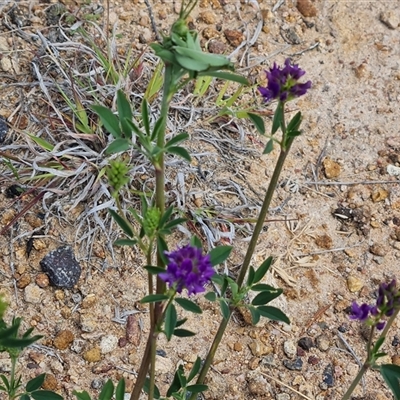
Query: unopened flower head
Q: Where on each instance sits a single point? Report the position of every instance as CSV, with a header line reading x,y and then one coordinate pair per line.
x,y
188,268
283,83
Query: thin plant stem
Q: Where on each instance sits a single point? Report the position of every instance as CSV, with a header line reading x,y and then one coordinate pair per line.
x,y
159,165
252,245
211,353
266,203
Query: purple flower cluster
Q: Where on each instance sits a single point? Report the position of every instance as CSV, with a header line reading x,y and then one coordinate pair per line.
x,y
387,302
188,268
283,83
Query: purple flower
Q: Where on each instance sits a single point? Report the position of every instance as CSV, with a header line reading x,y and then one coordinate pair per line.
x,y
282,83
188,268
360,312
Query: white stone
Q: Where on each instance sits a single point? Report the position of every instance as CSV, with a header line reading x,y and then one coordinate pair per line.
x,y
33,294
108,343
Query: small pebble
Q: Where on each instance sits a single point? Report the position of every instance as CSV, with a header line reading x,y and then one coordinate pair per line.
x,y
92,355
289,348
322,342
306,343
97,384
33,294
354,284
328,378
61,267
390,19
108,343
63,339
294,365
395,341
313,360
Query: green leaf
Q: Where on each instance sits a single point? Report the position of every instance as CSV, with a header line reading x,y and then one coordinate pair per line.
x,y
157,128
266,297
224,309
109,120
125,242
391,375
262,287
183,333
162,248
180,322
175,385
154,298
378,344
179,151
195,369
124,225
234,288
145,116
120,390
211,296
171,318
263,269
118,146
124,113
269,147
273,313
45,395
219,254
278,118
23,397
176,140
218,279
189,305
135,128
18,342
250,276
228,76
107,391
196,242
35,383
294,123
175,222
154,270
44,144
197,388
166,216
255,315
292,134
258,122
81,395
5,381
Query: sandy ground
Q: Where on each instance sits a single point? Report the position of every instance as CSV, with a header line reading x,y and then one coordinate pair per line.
x,y
341,237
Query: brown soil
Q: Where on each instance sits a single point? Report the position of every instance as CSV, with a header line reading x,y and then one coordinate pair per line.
x,y
334,229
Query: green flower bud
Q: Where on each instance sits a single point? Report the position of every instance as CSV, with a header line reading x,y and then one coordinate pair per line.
x,y
117,174
151,221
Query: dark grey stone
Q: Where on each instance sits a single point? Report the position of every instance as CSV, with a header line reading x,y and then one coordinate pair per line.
x,y
328,378
295,365
306,343
61,267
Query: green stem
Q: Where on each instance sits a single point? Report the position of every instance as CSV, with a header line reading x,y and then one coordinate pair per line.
x,y
263,213
356,381
153,348
211,353
250,250
159,165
